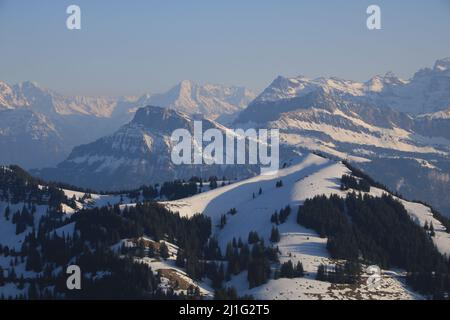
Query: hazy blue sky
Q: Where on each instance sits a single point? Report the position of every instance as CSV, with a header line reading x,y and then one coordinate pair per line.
x,y
136,46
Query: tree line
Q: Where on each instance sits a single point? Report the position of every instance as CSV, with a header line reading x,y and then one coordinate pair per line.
x,y
377,230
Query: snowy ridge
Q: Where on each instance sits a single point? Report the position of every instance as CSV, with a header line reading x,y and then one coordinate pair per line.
x,y
426,92
209,100
311,176
444,114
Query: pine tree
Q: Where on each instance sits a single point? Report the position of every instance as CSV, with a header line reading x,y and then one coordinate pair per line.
x,y
223,221
274,218
20,226
352,271
34,261
21,282
33,292
221,274
321,276
287,270
253,237
299,271
229,251
7,213
432,233
180,261
213,183
218,275
275,235
2,277
284,214
164,251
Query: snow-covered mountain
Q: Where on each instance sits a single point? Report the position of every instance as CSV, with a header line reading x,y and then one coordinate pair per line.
x,y
435,124
78,120
361,122
427,92
187,96
72,120
355,121
323,120
318,121
30,139
209,100
138,153
30,95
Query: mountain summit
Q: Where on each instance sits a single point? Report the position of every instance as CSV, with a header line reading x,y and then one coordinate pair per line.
x,y
138,153
209,100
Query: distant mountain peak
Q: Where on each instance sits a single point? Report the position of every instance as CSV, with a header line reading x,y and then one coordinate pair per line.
x,y
29,85
210,100
161,119
442,65
187,84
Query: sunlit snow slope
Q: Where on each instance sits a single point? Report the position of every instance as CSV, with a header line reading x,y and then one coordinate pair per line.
x,y
302,179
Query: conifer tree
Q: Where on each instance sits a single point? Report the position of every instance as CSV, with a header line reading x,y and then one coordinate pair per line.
x,y
321,276
275,235
32,291
274,218
287,270
299,271
164,251
432,233
7,213
180,261
223,221
253,237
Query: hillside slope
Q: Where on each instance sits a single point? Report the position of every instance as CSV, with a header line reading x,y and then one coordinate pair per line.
x,y
131,232
303,180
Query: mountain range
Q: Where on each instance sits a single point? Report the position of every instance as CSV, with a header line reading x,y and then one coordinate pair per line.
x,y
426,92
363,183
68,121
360,122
